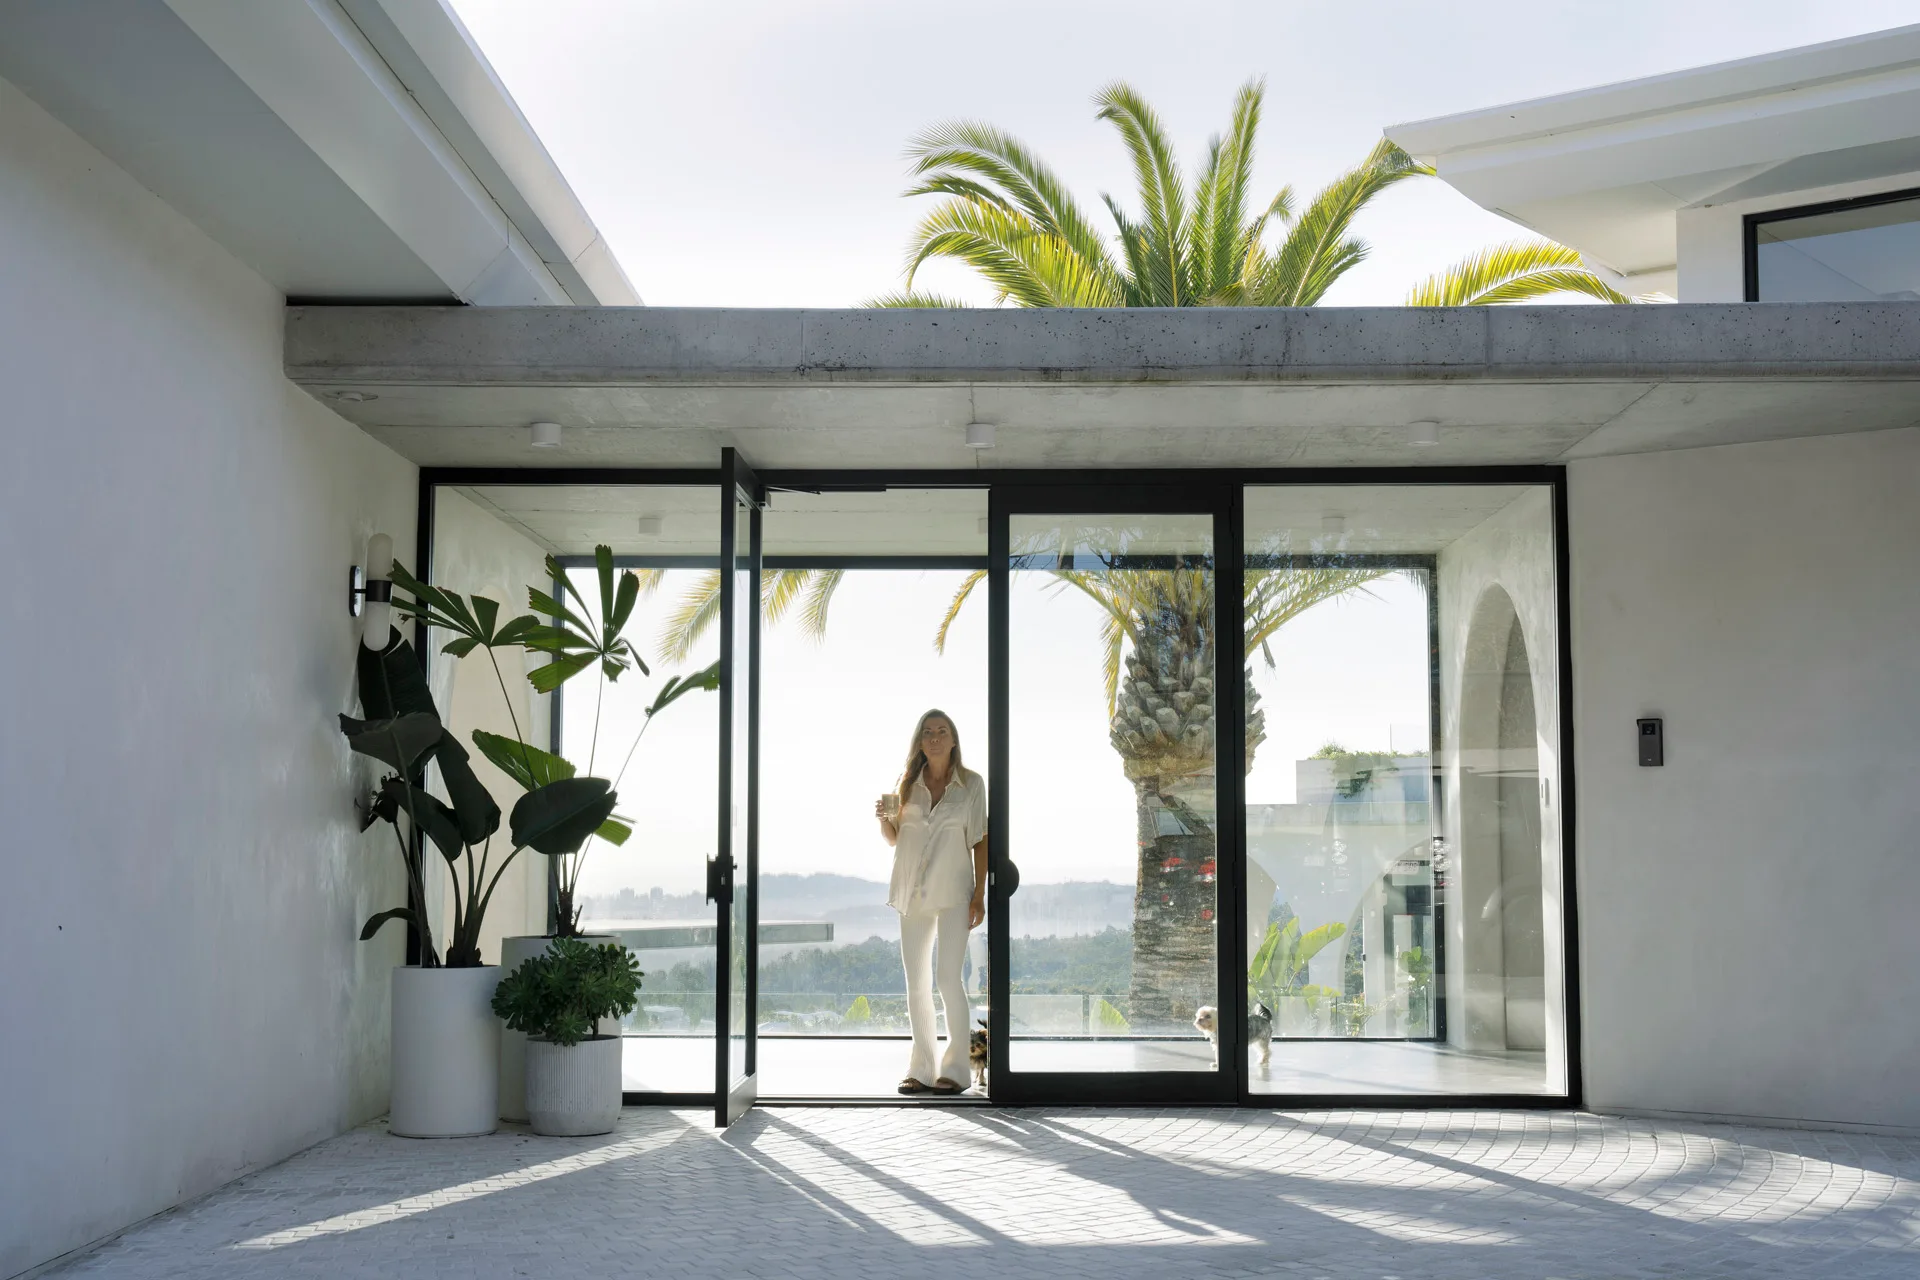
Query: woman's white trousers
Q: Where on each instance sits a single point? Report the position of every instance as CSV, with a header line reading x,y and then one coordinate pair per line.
x,y
917,934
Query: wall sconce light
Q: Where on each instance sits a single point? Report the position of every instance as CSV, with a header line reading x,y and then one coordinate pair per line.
x,y
546,435
979,435
372,592
1423,433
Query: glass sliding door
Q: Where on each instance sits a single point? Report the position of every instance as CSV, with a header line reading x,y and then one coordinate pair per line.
x,y
1111,921
1404,886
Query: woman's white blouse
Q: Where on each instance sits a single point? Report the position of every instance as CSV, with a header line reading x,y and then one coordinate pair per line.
x,y
933,855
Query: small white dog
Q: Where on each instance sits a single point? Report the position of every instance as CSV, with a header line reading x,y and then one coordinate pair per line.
x,y
1259,1031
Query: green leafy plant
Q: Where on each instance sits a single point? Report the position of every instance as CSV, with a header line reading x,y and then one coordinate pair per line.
x,y
571,641
561,996
1279,967
861,1010
403,731
1418,966
1107,1020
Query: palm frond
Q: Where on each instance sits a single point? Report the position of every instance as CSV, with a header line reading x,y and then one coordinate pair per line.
x,y
1031,267
1221,230
821,585
1318,248
1162,192
698,610
1010,175
973,580
905,298
1516,271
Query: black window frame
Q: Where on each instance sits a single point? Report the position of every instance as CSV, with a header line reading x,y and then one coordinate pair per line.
x,y
1751,223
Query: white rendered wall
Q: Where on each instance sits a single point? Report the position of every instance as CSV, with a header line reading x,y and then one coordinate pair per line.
x,y
181,989
1511,552
476,553
1750,913
1710,244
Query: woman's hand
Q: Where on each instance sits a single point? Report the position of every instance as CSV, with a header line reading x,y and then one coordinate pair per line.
x,y
888,827
977,909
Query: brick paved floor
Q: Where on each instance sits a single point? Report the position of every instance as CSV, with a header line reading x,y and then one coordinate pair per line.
x,y
796,1192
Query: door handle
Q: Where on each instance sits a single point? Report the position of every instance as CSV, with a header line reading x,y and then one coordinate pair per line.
x,y
720,881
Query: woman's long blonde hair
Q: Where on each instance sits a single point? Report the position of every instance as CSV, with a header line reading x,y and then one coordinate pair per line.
x,y
917,759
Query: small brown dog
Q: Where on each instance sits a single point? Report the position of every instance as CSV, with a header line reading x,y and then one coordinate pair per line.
x,y
1259,1031
977,1055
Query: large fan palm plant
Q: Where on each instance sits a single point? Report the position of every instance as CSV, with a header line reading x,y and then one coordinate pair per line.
x,y
1207,242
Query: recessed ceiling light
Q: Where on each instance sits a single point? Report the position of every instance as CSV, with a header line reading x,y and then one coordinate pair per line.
x,y
1332,522
979,435
650,526
546,435
1424,432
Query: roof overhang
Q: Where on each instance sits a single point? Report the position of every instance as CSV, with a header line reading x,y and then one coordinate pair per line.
x,y
345,149
1606,169
1200,387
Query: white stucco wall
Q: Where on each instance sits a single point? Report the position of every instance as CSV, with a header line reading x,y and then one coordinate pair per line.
x,y
182,993
1512,552
1748,912
1711,249
476,553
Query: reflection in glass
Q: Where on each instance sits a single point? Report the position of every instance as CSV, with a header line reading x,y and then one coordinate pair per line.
x,y
1113,798
1867,253
1403,875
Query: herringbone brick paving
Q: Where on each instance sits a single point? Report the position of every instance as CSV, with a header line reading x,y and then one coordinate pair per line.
x,y
981,1193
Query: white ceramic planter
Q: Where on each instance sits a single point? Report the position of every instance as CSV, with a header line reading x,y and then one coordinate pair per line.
x,y
573,1091
515,952
446,1052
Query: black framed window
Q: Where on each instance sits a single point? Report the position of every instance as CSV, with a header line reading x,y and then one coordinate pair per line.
x,y
1864,250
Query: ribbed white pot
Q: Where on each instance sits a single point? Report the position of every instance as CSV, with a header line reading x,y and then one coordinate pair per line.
x,y
446,1052
515,952
573,1091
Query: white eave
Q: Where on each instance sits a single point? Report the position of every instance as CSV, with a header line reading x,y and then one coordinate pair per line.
x,y
356,150
1606,169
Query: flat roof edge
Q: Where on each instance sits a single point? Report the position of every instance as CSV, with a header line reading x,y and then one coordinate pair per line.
x,y
616,346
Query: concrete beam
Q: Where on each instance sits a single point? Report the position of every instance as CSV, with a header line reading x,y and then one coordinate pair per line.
x,y
566,346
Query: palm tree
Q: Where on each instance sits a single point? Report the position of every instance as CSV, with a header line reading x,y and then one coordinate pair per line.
x,y
1007,215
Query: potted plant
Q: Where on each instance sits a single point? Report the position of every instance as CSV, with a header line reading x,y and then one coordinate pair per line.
x,y
557,999
572,641
1276,977
445,1048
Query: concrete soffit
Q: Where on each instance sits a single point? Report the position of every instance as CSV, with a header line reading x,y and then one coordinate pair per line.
x,y
395,98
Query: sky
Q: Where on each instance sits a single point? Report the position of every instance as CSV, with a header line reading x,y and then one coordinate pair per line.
x,y
750,153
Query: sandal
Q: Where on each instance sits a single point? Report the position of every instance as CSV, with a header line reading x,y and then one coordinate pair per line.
x,y
910,1085
945,1085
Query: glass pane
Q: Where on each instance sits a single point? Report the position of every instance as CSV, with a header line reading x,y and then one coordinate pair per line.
x,y
1870,253
1403,847
744,598
1113,947
649,892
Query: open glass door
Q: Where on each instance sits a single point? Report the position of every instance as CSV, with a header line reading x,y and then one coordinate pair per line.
x,y
732,877
1119,751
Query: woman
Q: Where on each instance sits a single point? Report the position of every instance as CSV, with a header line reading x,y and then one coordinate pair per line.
x,y
939,888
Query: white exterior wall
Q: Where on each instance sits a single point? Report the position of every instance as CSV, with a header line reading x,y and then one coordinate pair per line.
x,y
1511,552
1748,912
183,995
476,553
1711,249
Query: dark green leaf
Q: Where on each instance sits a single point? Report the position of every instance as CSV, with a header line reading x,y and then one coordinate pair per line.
x,y
556,673
516,630
487,611
473,806
547,605
372,926
391,682
527,765
461,647
436,819
397,742
603,569
558,817
623,602
676,687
